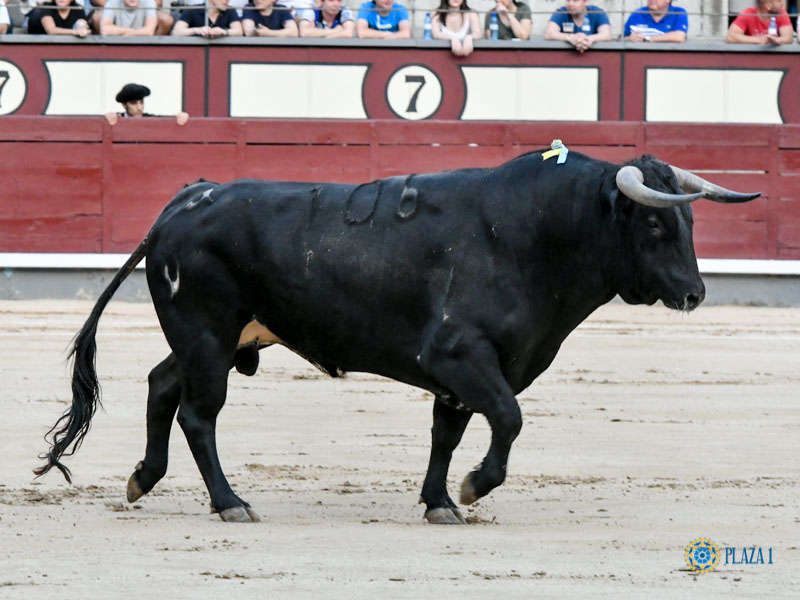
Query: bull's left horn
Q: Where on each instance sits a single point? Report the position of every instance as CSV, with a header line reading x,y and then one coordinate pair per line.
x,y
693,183
630,181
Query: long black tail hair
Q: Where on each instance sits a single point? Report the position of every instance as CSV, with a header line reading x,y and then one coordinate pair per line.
x,y
67,434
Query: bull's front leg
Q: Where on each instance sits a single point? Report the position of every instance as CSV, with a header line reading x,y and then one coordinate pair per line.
x,y
449,424
464,362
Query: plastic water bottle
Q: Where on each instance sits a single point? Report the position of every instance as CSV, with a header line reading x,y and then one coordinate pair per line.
x,y
493,27
773,27
427,27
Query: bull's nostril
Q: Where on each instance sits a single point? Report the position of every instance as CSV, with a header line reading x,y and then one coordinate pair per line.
x,y
691,301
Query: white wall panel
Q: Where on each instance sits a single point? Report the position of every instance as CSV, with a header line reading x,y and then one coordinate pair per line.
x,y
89,87
301,91
531,93
713,96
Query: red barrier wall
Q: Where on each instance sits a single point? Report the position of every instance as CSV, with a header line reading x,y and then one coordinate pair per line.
x,y
80,185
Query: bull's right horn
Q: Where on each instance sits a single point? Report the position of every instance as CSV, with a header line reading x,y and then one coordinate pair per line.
x,y
630,181
694,183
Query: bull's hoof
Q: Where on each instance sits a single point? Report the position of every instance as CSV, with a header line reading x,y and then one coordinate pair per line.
x,y
468,493
134,491
239,514
445,516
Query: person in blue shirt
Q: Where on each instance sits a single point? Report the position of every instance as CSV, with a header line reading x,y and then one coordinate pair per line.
x,y
383,19
580,24
659,21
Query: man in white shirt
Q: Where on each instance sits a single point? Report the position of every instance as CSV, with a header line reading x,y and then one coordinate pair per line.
x,y
298,6
5,20
129,17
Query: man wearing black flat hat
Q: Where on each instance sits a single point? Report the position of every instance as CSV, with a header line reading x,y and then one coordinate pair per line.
x,y
132,96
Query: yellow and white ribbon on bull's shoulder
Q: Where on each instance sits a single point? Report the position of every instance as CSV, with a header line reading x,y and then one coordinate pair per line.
x,y
557,147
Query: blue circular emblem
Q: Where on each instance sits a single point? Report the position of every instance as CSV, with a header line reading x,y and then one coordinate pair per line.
x,y
701,555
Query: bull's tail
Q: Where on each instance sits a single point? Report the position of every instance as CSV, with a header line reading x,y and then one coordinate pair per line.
x,y
67,434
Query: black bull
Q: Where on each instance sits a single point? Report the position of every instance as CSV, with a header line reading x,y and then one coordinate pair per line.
x,y
464,283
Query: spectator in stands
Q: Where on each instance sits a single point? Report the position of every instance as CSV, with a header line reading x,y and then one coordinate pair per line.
x,y
513,20
5,20
455,21
165,20
178,6
735,7
329,20
298,6
18,11
659,21
94,10
129,17
58,17
752,26
268,19
222,21
579,23
383,19
132,96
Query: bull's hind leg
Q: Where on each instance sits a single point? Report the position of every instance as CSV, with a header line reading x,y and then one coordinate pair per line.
x,y
448,426
467,364
162,402
205,368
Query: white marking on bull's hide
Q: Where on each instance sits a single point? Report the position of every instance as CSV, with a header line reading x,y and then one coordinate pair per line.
x,y
446,296
255,331
174,284
309,258
190,204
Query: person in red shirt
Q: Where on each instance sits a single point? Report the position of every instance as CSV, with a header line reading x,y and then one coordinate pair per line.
x,y
752,25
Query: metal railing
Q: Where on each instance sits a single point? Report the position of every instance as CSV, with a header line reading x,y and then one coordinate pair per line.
x,y
702,24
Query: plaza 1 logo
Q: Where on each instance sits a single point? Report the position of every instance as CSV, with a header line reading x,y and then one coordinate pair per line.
x,y
703,555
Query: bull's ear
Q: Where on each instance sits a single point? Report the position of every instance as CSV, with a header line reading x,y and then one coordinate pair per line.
x,y
609,192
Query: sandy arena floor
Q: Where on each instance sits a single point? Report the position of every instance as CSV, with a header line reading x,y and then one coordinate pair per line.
x,y
651,429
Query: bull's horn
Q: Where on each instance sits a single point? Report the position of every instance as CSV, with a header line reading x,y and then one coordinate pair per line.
x,y
630,181
692,183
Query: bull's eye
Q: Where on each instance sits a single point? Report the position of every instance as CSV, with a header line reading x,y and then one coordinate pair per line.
x,y
653,225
